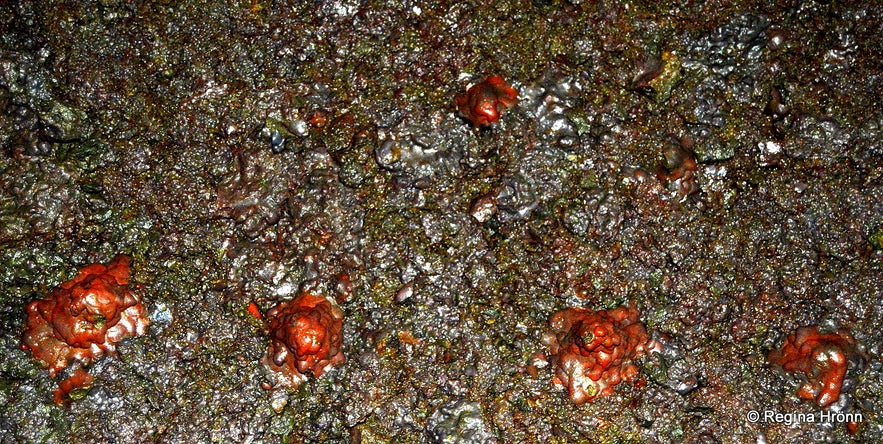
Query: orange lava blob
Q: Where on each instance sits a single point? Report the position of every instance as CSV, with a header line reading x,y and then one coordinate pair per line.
x,y
484,102
84,318
80,379
822,358
593,351
255,312
305,337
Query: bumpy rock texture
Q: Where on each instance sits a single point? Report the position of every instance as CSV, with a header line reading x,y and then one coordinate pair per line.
x,y
305,338
242,151
822,358
85,317
593,351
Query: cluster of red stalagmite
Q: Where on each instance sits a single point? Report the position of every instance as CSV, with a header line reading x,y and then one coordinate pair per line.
x,y
305,337
83,319
484,102
592,351
822,358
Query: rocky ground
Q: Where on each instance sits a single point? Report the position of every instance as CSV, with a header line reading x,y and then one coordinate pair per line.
x,y
716,164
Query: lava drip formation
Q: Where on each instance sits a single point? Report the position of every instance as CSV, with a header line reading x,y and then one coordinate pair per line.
x,y
593,351
822,358
83,319
485,102
305,337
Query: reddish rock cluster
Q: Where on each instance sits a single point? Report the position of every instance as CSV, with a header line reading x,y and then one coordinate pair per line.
x,y
680,167
305,337
67,388
822,358
592,351
484,102
84,318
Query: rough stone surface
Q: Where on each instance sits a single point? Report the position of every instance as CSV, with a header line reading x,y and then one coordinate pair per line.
x,y
724,174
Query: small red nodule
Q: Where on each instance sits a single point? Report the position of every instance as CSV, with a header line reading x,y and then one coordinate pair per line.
x,y
485,102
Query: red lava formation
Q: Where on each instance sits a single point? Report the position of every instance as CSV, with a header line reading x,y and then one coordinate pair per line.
x,y
83,319
592,351
680,167
80,379
484,102
305,337
822,358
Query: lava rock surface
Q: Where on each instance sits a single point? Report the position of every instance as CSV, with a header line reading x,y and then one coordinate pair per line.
x,y
723,174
